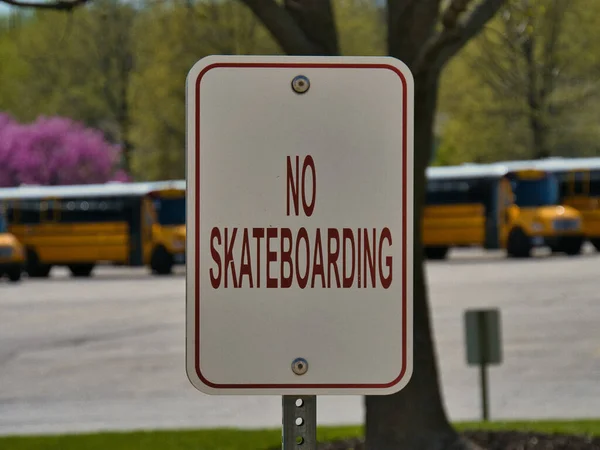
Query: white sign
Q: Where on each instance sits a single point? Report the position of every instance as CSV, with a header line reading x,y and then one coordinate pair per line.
x,y
300,225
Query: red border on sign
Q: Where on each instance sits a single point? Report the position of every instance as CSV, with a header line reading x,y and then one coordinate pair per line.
x,y
197,227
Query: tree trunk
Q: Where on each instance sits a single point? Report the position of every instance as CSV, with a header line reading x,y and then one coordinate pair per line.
x,y
535,101
414,418
538,131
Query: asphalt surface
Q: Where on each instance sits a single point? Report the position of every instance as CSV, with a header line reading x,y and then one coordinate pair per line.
x,y
107,353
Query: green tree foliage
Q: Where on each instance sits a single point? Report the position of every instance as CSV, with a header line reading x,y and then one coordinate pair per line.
x,y
426,35
361,27
122,69
177,34
13,69
75,65
527,87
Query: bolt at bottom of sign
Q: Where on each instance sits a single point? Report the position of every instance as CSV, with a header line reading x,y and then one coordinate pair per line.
x,y
300,366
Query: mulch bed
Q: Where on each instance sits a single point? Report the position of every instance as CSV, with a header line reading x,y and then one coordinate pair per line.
x,y
501,440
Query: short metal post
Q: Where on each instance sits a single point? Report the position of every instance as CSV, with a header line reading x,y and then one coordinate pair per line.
x,y
484,391
483,346
299,422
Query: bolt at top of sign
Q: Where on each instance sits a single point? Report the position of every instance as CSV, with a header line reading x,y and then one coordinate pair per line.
x,y
299,225
300,84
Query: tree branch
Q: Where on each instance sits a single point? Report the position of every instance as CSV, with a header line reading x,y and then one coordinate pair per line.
x,y
282,26
61,5
445,44
473,25
316,19
410,21
550,51
498,66
453,12
585,94
508,48
449,33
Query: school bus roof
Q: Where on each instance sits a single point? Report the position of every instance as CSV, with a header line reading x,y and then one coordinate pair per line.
x,y
111,189
557,164
492,170
466,171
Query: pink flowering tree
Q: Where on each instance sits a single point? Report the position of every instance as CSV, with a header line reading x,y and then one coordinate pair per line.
x,y
55,151
5,119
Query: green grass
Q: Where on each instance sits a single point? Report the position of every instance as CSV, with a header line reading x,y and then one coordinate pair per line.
x,y
229,439
581,427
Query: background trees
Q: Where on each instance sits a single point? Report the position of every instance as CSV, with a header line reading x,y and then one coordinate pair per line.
x,y
527,87
118,67
519,84
171,37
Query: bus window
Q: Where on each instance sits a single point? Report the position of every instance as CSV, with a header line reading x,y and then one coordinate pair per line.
x,y
76,210
452,192
26,212
3,226
170,211
594,188
536,192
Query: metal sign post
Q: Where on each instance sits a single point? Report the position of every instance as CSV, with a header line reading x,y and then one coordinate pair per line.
x,y
482,329
299,229
299,422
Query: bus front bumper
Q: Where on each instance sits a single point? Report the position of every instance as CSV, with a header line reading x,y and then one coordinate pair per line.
x,y
10,266
557,241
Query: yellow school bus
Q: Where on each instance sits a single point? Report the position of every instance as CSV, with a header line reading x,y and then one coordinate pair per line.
x,y
494,207
579,187
131,224
12,256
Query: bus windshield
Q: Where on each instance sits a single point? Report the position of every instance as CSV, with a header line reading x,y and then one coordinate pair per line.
x,y
3,226
540,192
170,211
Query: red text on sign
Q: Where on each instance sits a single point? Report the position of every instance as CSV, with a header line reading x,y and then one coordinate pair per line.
x,y
282,258
295,184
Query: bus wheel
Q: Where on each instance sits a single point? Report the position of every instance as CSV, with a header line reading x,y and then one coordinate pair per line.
x,y
572,245
519,244
81,270
596,243
436,252
14,273
161,261
33,266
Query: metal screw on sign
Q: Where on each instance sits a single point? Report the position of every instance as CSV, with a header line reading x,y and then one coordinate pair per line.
x,y
299,422
300,84
300,366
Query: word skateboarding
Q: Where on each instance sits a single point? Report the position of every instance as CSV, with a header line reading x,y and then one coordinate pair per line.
x,y
327,253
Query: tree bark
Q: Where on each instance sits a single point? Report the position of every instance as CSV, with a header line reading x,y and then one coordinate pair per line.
x,y
284,26
316,20
414,418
